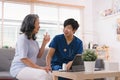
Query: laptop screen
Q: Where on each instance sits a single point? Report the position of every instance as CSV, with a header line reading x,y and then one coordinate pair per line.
x,y
77,60
78,63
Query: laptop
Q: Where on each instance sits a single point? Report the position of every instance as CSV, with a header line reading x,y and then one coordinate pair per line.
x,y
78,64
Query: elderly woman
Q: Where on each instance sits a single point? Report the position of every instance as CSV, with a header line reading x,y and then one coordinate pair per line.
x,y
24,65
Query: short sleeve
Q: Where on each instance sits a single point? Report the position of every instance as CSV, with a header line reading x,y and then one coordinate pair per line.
x,y
53,43
80,47
22,47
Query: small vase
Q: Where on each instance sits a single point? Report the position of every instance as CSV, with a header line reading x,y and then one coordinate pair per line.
x,y
89,66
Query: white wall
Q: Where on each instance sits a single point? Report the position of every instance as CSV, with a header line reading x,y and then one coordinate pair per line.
x,y
105,28
98,6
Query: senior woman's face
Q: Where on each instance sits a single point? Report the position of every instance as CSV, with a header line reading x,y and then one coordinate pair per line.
x,y
37,26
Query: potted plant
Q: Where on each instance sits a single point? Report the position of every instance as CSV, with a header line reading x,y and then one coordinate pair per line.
x,y
89,57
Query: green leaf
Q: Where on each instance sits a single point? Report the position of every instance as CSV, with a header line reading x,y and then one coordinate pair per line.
x,y
89,55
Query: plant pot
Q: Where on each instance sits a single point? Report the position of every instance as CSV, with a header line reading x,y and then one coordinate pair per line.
x,y
89,66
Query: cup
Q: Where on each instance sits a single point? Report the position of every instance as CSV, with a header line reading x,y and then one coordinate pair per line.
x,y
64,66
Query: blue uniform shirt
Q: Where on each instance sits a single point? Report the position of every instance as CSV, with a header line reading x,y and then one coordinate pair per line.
x,y
64,52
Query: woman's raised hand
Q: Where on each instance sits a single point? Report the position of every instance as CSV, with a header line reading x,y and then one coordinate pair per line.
x,y
46,38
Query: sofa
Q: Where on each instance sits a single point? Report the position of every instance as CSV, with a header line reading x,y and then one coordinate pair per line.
x,y
6,56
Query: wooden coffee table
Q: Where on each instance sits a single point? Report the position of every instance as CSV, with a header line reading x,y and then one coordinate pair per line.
x,y
85,75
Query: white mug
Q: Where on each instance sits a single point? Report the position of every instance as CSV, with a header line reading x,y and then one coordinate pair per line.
x,y
64,66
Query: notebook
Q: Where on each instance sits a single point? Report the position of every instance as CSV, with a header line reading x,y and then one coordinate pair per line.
x,y
78,64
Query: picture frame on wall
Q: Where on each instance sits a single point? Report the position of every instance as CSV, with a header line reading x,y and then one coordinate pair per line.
x,y
114,9
118,29
116,6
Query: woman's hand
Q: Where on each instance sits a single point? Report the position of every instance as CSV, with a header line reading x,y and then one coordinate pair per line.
x,y
47,69
46,38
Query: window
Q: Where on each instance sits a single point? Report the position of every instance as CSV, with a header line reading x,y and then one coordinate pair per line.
x,y
48,21
51,29
0,10
47,13
71,13
12,22
51,20
16,13
0,23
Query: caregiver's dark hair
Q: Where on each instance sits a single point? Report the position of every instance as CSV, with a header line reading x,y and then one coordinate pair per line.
x,y
71,22
27,26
